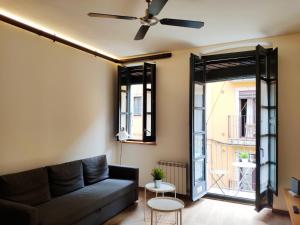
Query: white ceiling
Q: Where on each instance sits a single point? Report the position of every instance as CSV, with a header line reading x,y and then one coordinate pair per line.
x,y
225,21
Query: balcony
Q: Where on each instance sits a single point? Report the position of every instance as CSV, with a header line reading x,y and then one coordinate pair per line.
x,y
241,129
231,164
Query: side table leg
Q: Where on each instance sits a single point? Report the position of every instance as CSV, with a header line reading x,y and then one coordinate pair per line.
x,y
151,217
180,216
176,217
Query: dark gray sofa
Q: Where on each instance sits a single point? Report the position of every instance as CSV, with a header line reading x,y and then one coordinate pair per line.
x,y
83,192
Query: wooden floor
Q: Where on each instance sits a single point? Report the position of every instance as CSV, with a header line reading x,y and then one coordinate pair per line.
x,y
204,212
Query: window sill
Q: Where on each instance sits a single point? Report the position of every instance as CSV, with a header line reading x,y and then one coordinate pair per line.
x,y
139,142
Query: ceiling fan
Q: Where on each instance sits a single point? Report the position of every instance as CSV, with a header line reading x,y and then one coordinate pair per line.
x,y
154,8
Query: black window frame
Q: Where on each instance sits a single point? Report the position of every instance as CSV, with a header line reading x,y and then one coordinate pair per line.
x,y
142,74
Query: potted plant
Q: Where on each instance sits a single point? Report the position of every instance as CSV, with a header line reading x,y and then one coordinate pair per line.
x,y
157,174
244,156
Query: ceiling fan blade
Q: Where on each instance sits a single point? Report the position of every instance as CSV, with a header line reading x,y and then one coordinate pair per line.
x,y
142,32
156,6
101,15
182,23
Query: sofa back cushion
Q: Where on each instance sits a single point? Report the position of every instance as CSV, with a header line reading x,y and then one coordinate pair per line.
x,y
95,169
65,178
29,187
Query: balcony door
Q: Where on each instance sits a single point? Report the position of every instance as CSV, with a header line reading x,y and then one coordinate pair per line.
x,y
261,64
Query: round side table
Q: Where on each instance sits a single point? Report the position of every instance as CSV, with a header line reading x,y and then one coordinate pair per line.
x,y
164,188
166,204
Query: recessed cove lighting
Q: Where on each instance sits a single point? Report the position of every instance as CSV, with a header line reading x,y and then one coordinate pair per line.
x,y
37,26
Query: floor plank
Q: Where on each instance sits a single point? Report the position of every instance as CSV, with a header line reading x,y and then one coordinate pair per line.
x,y
204,212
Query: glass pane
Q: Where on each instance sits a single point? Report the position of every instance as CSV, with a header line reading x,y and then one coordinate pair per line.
x,y
148,125
137,105
136,112
123,121
199,170
264,151
198,120
264,93
273,149
272,121
273,94
123,101
264,124
123,88
198,145
148,101
264,175
199,97
148,86
273,176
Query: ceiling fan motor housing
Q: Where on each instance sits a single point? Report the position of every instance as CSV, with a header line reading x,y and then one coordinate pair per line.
x,y
149,21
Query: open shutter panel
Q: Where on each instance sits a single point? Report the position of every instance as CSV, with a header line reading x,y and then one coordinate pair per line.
x,y
149,111
273,120
266,127
197,128
123,98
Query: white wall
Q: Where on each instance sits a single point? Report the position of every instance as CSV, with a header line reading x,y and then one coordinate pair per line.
x,y
173,115
56,103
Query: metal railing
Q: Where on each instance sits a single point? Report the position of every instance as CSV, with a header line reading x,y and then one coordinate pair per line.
x,y
226,173
241,127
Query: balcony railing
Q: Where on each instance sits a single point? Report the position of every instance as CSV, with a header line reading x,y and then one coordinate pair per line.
x,y
241,129
240,126
228,174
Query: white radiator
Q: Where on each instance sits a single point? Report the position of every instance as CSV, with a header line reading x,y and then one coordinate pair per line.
x,y
176,173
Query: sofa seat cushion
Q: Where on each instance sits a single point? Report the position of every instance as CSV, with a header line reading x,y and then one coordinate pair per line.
x,y
30,187
95,169
71,208
65,178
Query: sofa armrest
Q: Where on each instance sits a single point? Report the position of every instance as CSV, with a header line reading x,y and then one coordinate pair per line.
x,y
124,172
14,213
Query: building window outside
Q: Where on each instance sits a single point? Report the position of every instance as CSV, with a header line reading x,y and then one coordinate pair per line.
x,y
247,113
137,105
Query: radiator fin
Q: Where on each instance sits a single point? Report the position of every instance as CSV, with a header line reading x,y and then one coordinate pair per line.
x,y
176,173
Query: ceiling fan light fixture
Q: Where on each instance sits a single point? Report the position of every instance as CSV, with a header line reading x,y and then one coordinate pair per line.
x,y
149,21
153,9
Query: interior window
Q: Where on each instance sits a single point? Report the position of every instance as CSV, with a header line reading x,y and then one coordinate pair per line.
x,y
136,87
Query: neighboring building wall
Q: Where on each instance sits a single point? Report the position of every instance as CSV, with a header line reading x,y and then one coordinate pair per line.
x,y
223,101
136,120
